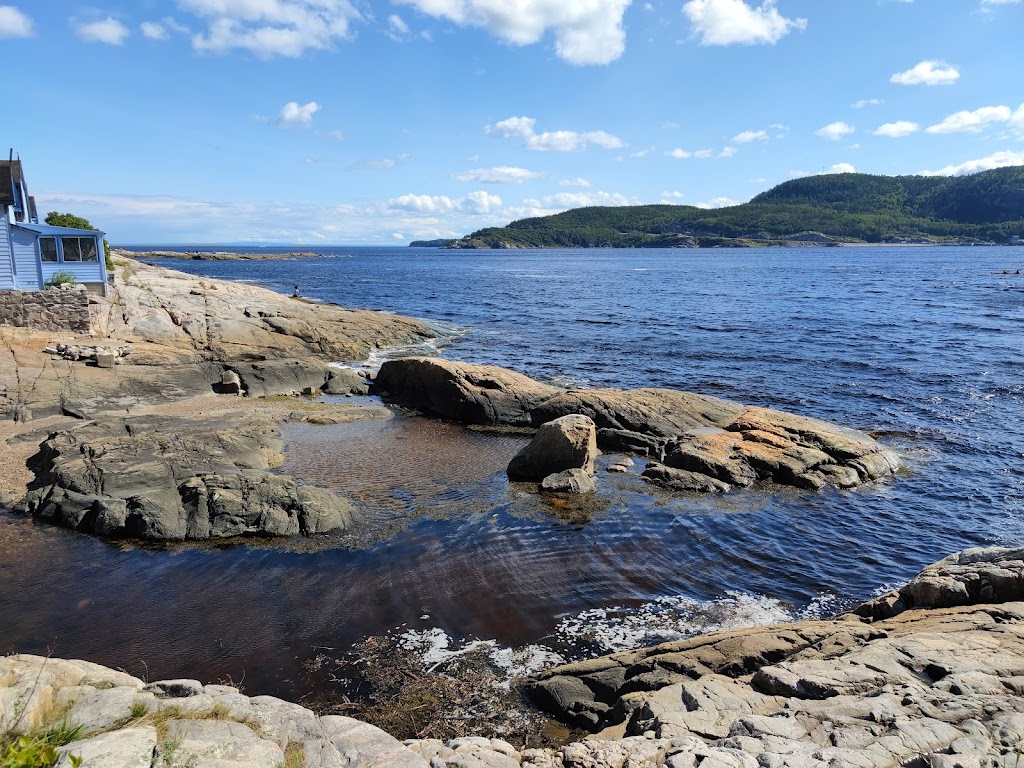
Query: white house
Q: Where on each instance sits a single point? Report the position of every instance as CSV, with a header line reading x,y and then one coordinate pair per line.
x,y
30,252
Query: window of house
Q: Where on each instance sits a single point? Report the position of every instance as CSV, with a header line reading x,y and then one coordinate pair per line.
x,y
48,248
78,248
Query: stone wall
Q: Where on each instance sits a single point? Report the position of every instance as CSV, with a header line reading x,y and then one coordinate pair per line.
x,y
52,310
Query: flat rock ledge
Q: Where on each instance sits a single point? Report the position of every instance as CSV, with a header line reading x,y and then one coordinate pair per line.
x,y
696,443
172,478
930,687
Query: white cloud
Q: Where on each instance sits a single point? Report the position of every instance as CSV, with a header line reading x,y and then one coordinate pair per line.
x,y
551,141
474,202
703,153
930,72
385,164
674,195
973,122
14,23
294,114
577,182
502,174
565,200
866,103
748,136
161,30
480,202
397,25
131,218
270,28
728,22
585,31
840,168
835,131
1003,159
718,202
153,30
727,152
109,31
897,130
680,154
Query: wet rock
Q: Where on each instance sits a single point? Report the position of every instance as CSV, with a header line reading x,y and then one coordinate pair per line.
x,y
566,443
575,481
710,443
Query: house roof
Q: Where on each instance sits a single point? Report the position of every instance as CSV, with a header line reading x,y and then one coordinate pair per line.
x,y
10,174
46,229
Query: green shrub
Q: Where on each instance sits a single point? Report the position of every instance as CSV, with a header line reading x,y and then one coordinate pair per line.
x,y
39,751
61,277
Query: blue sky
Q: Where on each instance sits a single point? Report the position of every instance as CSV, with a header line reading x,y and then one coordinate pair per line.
x,y
349,122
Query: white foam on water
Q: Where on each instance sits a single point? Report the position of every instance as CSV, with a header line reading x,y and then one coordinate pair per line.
x,y
447,333
622,628
435,647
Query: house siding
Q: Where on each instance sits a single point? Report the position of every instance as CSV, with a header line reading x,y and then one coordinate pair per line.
x,y
26,260
6,257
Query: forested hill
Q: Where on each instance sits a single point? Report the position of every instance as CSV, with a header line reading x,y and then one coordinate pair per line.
x,y
852,207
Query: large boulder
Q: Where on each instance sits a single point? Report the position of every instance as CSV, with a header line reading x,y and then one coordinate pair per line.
x,y
568,442
472,394
700,443
169,479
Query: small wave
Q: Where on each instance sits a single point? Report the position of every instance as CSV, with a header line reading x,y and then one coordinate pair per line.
x,y
622,628
447,333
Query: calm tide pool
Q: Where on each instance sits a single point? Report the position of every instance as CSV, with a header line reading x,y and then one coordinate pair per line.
x,y
921,346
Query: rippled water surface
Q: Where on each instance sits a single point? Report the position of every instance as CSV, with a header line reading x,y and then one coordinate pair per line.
x,y
922,346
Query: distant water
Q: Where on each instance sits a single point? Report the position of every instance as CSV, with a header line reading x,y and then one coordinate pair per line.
x,y
923,347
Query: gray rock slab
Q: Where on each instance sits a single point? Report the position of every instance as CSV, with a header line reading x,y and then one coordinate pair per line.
x,y
362,745
126,748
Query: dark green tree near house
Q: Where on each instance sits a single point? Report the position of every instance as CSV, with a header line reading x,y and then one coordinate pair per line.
x,y
55,219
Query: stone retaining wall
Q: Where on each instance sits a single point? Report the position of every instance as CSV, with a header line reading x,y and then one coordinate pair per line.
x,y
52,310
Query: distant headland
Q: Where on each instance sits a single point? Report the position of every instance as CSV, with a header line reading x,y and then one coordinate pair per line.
x,y
832,209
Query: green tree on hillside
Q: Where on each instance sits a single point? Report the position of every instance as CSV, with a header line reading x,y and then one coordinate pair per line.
x,y
55,219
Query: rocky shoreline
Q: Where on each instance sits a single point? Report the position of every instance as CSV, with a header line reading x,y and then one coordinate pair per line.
x,y
937,683
218,255
153,425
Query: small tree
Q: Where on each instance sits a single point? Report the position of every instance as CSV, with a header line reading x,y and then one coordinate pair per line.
x,y
55,219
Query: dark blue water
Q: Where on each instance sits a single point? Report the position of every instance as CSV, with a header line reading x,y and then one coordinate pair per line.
x,y
921,346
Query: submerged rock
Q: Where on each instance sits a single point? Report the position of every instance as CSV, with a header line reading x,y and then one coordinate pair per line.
x,y
570,481
701,443
568,442
169,479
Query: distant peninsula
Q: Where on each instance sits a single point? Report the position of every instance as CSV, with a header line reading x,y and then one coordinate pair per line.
x,y
831,209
